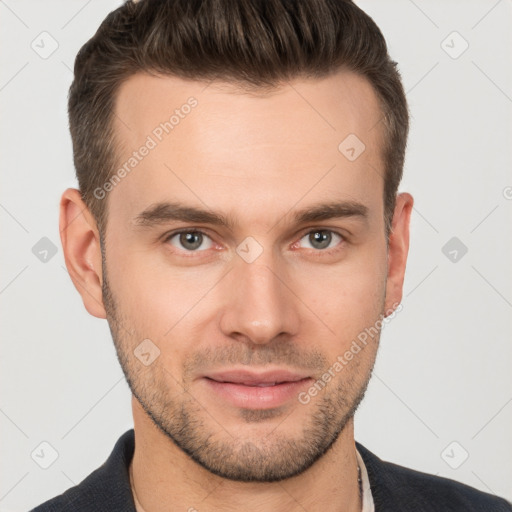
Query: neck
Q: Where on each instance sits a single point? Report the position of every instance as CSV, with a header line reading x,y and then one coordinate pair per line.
x,y
164,478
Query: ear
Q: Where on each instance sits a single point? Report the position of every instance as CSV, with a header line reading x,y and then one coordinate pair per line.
x,y
397,250
82,252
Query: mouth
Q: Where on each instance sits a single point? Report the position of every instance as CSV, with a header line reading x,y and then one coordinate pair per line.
x,y
260,384
256,384
252,390
255,379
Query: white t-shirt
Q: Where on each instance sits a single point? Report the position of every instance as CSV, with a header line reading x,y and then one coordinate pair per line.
x,y
368,505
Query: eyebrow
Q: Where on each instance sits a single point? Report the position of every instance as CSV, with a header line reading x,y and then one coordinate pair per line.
x,y
162,213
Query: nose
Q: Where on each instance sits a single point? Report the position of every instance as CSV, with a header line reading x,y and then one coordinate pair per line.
x,y
258,304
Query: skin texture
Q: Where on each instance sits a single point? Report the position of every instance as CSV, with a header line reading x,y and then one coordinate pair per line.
x,y
256,159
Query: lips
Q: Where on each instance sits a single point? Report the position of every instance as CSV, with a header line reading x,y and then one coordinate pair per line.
x,y
262,379
261,384
256,390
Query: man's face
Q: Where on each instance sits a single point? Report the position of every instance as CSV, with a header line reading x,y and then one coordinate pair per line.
x,y
266,297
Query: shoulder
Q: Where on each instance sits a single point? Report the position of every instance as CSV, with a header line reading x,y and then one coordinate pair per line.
x,y
106,488
398,488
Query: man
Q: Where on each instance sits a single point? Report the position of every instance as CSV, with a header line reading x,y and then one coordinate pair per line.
x,y
238,225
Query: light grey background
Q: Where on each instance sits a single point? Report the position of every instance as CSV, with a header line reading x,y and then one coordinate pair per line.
x,y
443,373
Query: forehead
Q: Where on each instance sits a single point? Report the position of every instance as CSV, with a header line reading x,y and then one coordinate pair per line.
x,y
336,103
216,144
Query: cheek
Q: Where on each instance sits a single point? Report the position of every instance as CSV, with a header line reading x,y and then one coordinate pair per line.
x,y
156,298
170,306
349,297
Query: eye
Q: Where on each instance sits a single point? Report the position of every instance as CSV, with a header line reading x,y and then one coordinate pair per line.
x,y
190,240
321,239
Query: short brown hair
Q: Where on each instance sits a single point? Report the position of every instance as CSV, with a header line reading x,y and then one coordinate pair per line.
x,y
254,43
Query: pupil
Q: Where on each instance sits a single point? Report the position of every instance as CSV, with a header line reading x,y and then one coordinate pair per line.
x,y
320,239
191,240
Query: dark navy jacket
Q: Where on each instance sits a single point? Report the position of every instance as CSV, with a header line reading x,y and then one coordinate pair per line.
x,y
394,488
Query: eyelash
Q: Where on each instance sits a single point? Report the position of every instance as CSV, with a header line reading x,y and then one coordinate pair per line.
x,y
319,252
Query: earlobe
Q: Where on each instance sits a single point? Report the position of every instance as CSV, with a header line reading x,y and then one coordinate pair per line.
x,y
398,249
82,251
